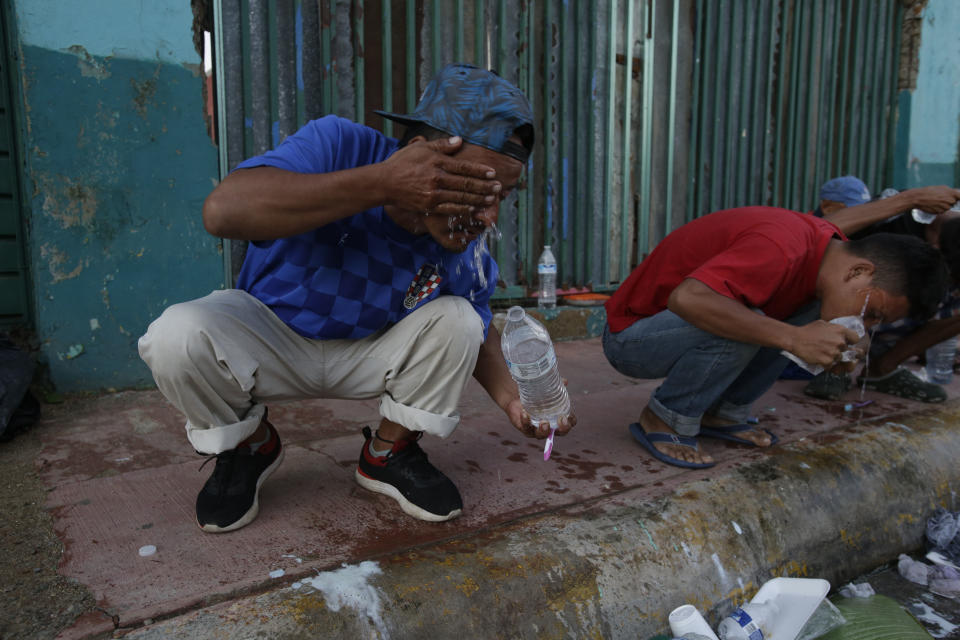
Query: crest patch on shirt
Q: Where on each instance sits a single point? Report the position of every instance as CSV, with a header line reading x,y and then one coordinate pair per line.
x,y
426,282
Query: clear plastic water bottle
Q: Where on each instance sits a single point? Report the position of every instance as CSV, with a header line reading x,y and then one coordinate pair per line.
x,y
547,272
528,350
749,621
940,359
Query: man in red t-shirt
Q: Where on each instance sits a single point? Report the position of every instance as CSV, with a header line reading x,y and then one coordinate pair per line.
x,y
713,306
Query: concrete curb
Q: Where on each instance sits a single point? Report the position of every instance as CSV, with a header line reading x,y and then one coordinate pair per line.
x,y
831,506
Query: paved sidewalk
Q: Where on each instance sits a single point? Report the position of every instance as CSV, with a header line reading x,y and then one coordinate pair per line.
x,y
601,541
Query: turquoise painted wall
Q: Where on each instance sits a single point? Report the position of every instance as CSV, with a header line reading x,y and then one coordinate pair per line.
x,y
929,132
116,164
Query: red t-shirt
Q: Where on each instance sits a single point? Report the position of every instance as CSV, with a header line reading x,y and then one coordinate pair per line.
x,y
764,257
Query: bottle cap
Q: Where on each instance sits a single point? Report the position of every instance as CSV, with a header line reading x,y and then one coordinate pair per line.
x,y
515,313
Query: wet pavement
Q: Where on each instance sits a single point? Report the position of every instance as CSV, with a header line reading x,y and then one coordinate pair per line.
x,y
119,475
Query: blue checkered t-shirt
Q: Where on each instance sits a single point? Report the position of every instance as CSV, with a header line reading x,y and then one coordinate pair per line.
x,y
351,278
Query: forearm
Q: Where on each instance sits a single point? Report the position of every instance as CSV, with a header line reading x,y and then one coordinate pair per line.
x,y
492,373
852,219
706,309
932,199
264,203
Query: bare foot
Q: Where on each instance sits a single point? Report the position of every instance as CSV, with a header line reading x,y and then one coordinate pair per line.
x,y
758,437
651,423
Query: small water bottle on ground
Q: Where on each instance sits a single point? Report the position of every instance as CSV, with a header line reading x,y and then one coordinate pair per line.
x,y
940,359
749,621
547,273
528,350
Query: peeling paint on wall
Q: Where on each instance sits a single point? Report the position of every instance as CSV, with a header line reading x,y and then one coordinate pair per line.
x,y
89,66
55,260
118,169
144,93
69,203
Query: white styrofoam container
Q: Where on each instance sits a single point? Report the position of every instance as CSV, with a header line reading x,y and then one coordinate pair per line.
x,y
797,599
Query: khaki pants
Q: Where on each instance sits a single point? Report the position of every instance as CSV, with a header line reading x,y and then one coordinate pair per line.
x,y
220,358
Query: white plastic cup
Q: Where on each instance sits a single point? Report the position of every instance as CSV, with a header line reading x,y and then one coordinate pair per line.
x,y
686,619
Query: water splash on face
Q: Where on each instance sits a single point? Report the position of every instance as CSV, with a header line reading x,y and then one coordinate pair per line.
x,y
866,357
479,249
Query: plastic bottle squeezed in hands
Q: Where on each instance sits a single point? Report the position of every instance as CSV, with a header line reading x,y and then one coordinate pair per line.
x,y
854,323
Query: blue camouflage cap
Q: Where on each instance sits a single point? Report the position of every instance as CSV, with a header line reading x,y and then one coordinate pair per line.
x,y
477,105
850,190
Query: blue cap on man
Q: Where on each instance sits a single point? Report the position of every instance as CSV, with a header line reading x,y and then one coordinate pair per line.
x,y
477,105
850,190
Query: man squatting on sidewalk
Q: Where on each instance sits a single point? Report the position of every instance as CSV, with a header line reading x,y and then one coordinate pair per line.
x,y
711,308
362,280
845,201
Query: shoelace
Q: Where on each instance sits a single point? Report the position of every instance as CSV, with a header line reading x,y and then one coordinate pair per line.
x,y
222,473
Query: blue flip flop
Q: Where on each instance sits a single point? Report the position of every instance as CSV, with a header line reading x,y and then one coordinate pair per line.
x,y
647,440
729,433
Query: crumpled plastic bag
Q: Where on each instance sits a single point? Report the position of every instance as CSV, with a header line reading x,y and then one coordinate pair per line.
x,y
944,581
862,590
825,619
912,570
943,532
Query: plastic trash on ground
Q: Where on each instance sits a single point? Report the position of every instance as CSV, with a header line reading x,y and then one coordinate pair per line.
x,y
875,617
945,581
943,532
750,621
941,578
912,570
862,590
824,620
779,611
686,622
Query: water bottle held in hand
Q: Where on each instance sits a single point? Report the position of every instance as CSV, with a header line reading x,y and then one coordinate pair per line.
x,y
528,350
547,273
856,324
926,218
850,355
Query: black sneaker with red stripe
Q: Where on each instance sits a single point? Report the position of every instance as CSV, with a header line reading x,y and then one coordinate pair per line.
x,y
407,476
231,497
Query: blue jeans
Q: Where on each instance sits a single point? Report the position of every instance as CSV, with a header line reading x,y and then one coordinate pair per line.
x,y
703,373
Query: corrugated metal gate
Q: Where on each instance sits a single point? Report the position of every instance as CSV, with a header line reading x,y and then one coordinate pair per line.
x,y
789,94
650,112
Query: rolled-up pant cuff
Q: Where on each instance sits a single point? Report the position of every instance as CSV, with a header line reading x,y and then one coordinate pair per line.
x,y
683,425
418,419
213,440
